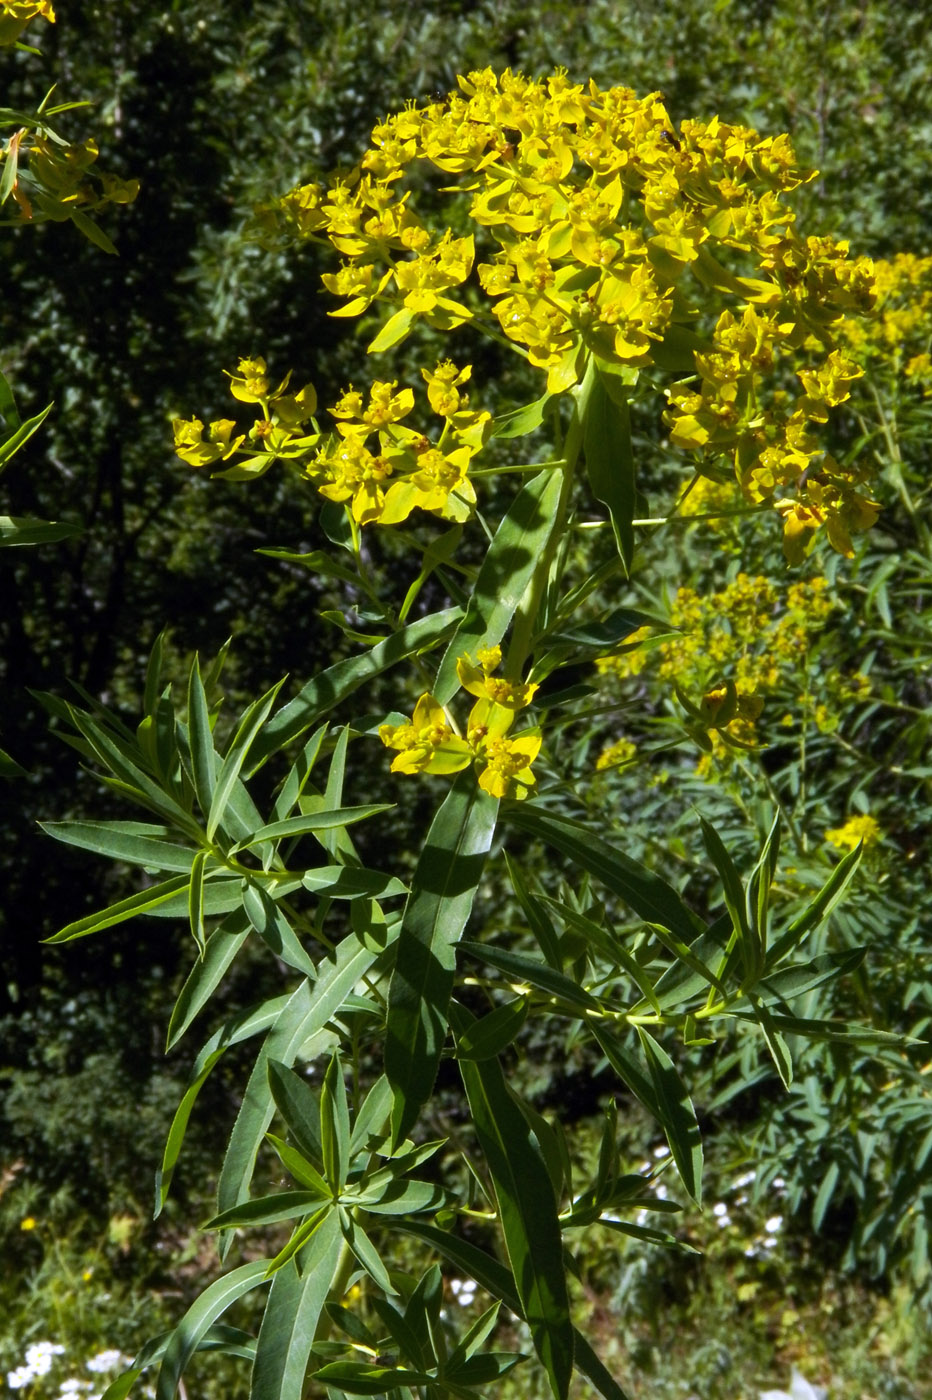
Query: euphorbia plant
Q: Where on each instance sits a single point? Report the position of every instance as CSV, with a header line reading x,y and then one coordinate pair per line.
x,y
617,256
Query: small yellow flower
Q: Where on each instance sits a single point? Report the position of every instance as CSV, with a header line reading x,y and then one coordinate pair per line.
x,y
28,1222
854,831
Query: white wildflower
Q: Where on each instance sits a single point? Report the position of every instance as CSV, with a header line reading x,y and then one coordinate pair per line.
x,y
107,1360
800,1389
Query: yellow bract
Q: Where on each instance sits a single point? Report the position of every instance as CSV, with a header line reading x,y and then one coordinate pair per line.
x,y
428,743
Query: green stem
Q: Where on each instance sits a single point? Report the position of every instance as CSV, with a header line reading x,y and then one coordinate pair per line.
x,y
529,607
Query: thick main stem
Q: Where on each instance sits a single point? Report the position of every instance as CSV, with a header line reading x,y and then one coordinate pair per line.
x,y
526,616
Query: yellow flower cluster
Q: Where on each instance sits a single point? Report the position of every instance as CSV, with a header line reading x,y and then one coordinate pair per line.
x,y
380,466
428,743
60,182
592,209
758,639
854,831
279,432
407,469
899,336
16,14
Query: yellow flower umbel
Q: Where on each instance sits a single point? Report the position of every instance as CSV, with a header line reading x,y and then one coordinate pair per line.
x,y
601,226
854,831
506,763
279,432
384,469
479,681
428,743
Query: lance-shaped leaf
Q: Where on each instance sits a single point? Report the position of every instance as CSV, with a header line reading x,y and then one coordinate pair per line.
x,y
254,1021
647,894
506,571
818,908
662,1093
142,903
496,1279
201,739
236,755
326,691
26,530
676,1113
307,1013
609,458
138,843
297,1103
214,1301
274,929
520,968
291,1317
207,973
527,1210
313,821
438,907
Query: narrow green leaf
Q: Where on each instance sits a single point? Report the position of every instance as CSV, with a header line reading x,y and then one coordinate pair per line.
x,y
366,1252
298,1166
151,691
326,691
442,892
297,1103
298,774
352,882
307,1012
201,739
520,968
265,1210
825,1193
22,432
492,1275
291,1317
92,231
274,928
527,1211
521,421
214,1301
648,895
9,768
207,973
141,903
138,843
796,980
538,921
314,821
819,908
356,1378
610,460
236,755
19,530
732,888
488,1037
677,1114
251,1022
196,902
506,571
334,1125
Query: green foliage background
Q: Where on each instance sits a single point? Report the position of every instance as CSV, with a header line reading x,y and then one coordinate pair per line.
x,y
214,107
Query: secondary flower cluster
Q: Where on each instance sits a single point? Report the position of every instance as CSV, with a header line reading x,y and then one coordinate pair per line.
x,y
428,742
592,210
735,648
279,432
377,464
898,338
